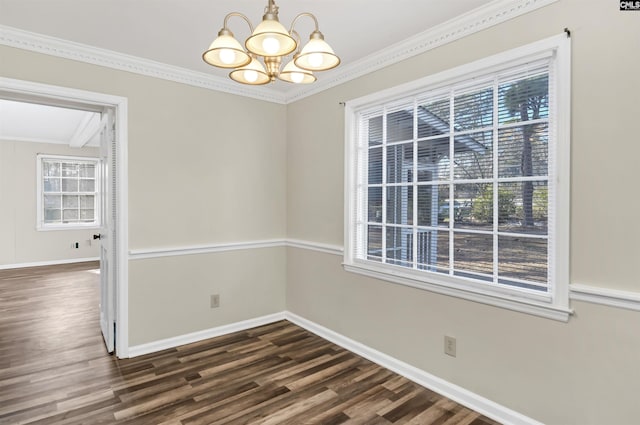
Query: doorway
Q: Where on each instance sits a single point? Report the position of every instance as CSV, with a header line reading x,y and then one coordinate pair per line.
x,y
114,229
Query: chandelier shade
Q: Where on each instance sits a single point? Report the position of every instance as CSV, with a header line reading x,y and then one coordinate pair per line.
x,y
259,61
252,73
270,38
292,74
317,55
226,52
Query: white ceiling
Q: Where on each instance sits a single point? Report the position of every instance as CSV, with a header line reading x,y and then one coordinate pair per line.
x,y
176,32
28,122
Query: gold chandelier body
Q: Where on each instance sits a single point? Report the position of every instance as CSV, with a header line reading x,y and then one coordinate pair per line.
x,y
272,42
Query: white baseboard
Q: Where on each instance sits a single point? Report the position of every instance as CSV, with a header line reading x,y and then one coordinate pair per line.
x,y
163,344
458,394
47,263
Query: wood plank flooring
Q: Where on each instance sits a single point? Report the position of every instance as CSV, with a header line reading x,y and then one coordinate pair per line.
x,y
54,370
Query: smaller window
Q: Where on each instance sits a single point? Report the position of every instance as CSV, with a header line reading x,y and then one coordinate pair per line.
x,y
68,192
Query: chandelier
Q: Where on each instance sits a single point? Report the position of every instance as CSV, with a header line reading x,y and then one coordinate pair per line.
x,y
273,43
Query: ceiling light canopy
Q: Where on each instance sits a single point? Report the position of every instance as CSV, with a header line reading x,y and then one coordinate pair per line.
x,y
272,42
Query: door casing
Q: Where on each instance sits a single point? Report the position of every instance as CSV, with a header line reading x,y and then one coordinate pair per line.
x,y
27,91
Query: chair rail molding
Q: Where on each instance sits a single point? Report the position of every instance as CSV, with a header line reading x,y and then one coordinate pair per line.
x,y
141,254
604,296
145,253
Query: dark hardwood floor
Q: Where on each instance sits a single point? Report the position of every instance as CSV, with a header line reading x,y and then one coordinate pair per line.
x,y
54,370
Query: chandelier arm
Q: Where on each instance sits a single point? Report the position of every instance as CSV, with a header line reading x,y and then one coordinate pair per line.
x,y
273,43
240,15
298,39
315,20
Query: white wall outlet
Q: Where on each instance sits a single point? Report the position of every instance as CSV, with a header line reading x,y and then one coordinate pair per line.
x,y
215,301
450,346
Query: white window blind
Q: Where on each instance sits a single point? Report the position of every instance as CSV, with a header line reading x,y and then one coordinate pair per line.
x,y
458,181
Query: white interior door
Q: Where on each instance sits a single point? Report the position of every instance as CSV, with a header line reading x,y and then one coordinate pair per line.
x,y
106,237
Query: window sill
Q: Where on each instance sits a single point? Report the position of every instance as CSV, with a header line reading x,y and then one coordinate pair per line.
x,y
483,296
73,227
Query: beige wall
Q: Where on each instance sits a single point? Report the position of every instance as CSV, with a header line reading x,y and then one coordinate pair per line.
x,y
583,372
200,173
251,283
20,242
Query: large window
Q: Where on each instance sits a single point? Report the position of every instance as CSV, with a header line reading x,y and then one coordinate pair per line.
x,y
68,192
455,182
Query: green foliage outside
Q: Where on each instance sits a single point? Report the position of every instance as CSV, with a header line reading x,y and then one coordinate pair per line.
x,y
540,203
482,209
539,206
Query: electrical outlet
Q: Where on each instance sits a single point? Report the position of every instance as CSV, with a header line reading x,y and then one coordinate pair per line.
x,y
450,346
215,301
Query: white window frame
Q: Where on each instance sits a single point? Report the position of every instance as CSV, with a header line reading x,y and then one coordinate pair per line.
x,y
40,224
555,303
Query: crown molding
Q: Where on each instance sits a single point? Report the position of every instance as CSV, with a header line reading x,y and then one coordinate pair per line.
x,y
471,22
14,37
462,26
